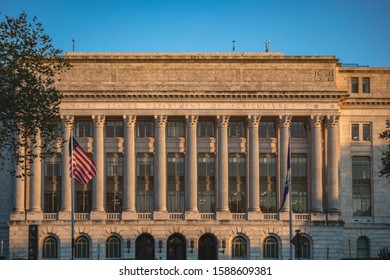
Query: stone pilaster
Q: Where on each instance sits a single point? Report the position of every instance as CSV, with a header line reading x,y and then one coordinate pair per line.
x,y
98,156
254,167
223,171
191,169
160,184
316,163
284,125
129,179
332,123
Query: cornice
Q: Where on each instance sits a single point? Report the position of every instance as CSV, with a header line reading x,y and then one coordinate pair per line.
x,y
290,96
366,102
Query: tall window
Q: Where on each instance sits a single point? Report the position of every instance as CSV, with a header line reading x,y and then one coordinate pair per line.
x,y
355,132
237,183
271,248
52,183
361,185
267,129
145,182
145,129
114,182
362,248
366,132
175,184
366,85
114,128
355,85
175,129
83,197
82,247
299,183
83,128
268,183
236,129
50,248
361,132
239,248
298,129
305,248
113,248
206,182
205,129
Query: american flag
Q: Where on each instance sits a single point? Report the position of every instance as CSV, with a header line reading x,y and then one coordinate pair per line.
x,y
82,167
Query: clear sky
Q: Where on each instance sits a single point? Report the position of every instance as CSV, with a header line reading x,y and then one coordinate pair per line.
x,y
355,31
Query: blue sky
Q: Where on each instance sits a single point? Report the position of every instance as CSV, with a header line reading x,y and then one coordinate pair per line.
x,y
355,31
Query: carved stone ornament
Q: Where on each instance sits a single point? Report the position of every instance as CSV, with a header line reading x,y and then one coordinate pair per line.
x,y
160,120
98,120
192,120
254,121
67,121
284,121
223,120
129,120
316,121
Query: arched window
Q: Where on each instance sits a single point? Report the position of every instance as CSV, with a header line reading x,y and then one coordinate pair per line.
x,y
208,247
144,247
239,248
271,248
113,248
50,248
305,248
81,247
176,247
362,248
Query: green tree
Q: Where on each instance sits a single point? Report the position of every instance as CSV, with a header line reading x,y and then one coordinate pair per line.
x,y
385,171
29,101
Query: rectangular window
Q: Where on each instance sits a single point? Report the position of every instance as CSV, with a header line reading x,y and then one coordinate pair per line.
x,y
267,130
367,132
236,129
237,183
298,129
355,85
145,182
145,129
52,183
114,182
268,183
205,129
299,183
366,85
206,183
114,128
83,128
361,186
355,132
175,182
175,129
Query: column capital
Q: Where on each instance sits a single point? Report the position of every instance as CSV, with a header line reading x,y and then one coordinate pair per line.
x,y
192,120
160,120
67,120
129,120
223,120
98,120
332,120
284,121
316,121
254,120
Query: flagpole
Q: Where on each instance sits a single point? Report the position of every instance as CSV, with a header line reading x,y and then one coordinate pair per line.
x,y
72,192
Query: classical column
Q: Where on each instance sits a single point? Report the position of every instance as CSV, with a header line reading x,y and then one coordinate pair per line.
x,y
66,196
36,177
254,166
284,125
333,164
129,166
191,167
160,185
98,156
316,163
20,178
223,164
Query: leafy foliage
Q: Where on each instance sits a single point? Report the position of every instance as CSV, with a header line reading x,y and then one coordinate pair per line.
x,y
384,254
385,171
29,101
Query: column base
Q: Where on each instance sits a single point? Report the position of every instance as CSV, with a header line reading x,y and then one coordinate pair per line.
x,y
65,215
129,215
160,215
17,216
192,215
98,215
34,216
284,216
317,216
254,215
225,215
334,216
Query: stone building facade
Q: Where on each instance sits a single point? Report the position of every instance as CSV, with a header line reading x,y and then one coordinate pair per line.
x,y
192,153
